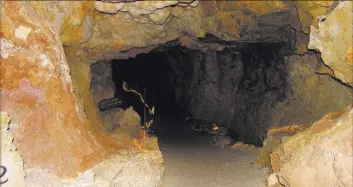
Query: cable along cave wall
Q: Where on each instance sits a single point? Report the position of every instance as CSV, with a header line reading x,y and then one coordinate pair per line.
x,y
247,89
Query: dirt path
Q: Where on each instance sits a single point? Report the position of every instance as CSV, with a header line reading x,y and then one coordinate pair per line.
x,y
191,161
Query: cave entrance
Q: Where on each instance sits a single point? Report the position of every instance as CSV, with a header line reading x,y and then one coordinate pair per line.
x,y
205,102
234,90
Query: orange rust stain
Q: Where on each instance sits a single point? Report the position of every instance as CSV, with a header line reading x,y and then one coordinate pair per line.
x,y
326,121
143,133
11,21
12,11
289,128
137,144
349,57
321,126
40,39
16,67
49,135
87,5
118,44
56,123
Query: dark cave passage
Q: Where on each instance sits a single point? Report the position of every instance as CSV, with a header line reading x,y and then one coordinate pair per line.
x,y
237,89
152,76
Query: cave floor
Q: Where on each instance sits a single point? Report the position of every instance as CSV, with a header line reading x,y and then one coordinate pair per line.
x,y
191,160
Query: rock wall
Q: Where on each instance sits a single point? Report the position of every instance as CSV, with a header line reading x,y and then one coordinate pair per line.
x,y
80,73
333,38
252,89
36,92
313,93
318,156
139,24
103,87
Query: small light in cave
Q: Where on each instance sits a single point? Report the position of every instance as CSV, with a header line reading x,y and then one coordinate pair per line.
x,y
214,126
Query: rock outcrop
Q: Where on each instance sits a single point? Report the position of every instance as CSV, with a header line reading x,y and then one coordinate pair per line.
x,y
333,38
36,92
138,169
318,156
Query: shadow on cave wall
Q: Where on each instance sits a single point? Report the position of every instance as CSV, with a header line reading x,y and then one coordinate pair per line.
x,y
235,88
153,77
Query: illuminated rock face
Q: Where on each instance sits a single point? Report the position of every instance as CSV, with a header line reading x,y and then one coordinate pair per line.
x,y
36,92
318,156
148,23
333,38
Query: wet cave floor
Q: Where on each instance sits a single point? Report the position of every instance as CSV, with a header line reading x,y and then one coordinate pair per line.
x,y
191,160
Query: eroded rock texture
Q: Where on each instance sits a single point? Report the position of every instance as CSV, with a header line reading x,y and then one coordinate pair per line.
x,y
124,122
253,88
148,23
36,92
133,169
139,24
333,38
318,156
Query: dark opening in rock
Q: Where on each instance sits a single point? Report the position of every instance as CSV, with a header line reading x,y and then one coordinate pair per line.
x,y
234,88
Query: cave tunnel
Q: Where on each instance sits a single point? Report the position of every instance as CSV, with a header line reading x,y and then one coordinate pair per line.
x,y
152,76
234,88
181,93
242,89
214,100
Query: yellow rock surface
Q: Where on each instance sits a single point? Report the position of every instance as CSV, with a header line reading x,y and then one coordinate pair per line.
x,y
309,11
325,147
333,38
